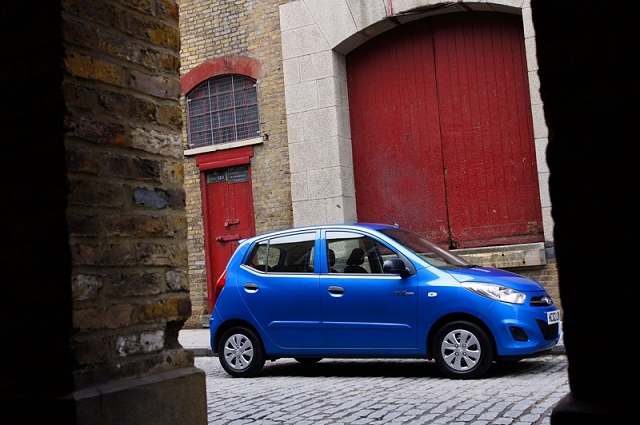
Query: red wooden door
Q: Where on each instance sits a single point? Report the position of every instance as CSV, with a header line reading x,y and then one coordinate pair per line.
x,y
395,131
487,130
442,132
228,217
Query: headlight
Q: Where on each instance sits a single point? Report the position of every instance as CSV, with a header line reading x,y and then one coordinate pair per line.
x,y
496,292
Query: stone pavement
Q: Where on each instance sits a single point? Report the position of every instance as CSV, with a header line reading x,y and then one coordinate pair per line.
x,y
374,391
384,392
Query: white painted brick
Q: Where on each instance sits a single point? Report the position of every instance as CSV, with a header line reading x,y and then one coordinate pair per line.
x,y
309,212
324,183
334,19
291,70
329,92
345,153
367,12
320,123
303,41
527,23
543,182
336,211
301,97
540,129
530,52
316,66
400,6
299,189
294,15
295,128
314,154
541,154
534,88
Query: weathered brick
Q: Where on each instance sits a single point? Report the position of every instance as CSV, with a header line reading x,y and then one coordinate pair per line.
x,y
155,85
154,32
173,308
167,10
144,342
137,226
171,115
79,96
85,287
83,66
125,106
95,131
90,193
92,351
133,284
112,317
156,254
153,140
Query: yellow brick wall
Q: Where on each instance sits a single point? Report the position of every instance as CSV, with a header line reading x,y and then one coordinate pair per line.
x,y
210,30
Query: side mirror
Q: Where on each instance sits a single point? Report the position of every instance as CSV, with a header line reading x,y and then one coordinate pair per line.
x,y
396,266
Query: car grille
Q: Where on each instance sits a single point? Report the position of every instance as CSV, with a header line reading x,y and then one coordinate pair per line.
x,y
542,301
549,332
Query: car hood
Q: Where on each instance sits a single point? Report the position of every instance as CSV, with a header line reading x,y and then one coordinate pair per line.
x,y
496,276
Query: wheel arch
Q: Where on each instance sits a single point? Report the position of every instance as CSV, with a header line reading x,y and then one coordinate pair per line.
x,y
453,317
232,324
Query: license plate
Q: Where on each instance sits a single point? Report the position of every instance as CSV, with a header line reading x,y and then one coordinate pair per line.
x,y
553,317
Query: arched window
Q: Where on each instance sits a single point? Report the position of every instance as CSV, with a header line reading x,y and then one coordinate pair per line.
x,y
221,110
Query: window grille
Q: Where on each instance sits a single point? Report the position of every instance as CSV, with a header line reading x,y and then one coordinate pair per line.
x,y
221,110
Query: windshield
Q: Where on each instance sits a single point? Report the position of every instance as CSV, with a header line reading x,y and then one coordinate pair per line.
x,y
427,250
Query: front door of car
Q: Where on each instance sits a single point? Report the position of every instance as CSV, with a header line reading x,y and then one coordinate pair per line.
x,y
366,311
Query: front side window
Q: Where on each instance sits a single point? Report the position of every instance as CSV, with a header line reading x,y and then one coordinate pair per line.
x,y
222,110
352,252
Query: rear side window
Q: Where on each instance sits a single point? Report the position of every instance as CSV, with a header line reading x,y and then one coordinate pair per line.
x,y
287,254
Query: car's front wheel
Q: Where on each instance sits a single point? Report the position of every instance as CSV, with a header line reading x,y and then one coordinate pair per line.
x,y
463,350
241,353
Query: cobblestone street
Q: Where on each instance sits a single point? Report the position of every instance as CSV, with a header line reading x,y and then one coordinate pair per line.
x,y
384,392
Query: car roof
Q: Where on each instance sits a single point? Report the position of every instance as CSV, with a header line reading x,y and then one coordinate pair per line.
x,y
343,226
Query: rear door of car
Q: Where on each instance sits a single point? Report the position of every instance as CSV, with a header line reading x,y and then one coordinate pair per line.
x,y
368,312
280,289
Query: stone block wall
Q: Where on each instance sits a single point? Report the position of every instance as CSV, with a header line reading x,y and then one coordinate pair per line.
x,y
126,218
93,219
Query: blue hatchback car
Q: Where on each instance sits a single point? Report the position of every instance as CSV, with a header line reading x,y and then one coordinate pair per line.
x,y
372,291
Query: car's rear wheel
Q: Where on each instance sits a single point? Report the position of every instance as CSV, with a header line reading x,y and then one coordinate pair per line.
x,y
463,350
241,353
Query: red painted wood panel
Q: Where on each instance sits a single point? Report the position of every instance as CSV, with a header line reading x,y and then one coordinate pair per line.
x,y
487,130
229,218
396,134
442,132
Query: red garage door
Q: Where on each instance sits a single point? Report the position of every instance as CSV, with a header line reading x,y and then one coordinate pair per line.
x,y
442,132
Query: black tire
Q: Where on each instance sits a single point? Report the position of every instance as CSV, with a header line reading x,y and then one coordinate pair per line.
x,y
463,350
308,360
241,353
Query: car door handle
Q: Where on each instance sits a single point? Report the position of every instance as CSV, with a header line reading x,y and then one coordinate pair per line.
x,y
336,289
251,287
